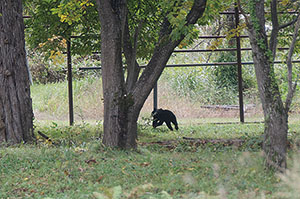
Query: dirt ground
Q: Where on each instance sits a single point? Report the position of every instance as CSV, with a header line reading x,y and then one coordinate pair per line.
x,y
183,108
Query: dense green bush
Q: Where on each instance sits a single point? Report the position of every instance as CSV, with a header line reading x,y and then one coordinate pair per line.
x,y
55,70
211,84
226,76
200,84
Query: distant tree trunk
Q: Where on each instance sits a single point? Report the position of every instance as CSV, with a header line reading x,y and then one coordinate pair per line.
x,y
124,100
16,115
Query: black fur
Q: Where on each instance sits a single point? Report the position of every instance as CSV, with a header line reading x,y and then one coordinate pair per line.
x,y
160,116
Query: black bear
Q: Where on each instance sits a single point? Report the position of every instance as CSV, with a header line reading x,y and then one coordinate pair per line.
x,y
160,116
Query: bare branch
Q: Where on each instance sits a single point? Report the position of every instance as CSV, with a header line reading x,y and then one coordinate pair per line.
x,y
243,12
130,50
163,50
289,23
291,87
275,28
136,35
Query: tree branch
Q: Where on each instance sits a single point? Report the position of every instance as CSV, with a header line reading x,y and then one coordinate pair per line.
x,y
130,50
275,29
243,13
291,87
162,52
196,12
289,23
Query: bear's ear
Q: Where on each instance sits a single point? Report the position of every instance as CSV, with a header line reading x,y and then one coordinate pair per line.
x,y
154,112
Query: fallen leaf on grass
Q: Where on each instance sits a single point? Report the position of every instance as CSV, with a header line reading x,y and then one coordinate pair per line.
x,y
100,178
81,169
91,161
66,173
145,164
123,170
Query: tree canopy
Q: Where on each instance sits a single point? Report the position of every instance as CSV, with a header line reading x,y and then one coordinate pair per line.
x,y
53,21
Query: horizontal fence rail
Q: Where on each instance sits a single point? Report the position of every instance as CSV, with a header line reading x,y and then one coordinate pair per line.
x,y
206,50
194,65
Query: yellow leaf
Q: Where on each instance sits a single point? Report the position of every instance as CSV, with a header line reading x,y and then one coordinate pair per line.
x,y
190,169
58,53
63,18
64,43
123,168
284,2
52,52
42,44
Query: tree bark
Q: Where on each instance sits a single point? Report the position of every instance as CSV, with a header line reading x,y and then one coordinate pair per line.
x,y
276,117
16,115
114,94
124,100
292,86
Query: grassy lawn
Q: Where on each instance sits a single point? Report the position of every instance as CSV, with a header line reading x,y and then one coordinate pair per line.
x,y
76,165
165,165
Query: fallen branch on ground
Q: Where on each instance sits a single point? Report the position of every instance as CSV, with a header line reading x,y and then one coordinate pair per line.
x,y
237,142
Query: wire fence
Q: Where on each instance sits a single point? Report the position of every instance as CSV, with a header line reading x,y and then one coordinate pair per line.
x,y
221,111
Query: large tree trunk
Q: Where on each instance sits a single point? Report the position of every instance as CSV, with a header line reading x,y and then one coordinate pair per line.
x,y
16,115
276,116
123,101
116,100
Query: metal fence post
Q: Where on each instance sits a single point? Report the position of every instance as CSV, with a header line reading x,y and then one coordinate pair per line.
x,y
155,96
70,88
239,64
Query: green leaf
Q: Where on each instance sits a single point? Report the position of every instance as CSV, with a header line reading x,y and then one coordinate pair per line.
x,y
166,195
117,192
99,195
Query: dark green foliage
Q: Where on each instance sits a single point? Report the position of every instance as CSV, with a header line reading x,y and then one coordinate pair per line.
x,y
226,76
198,84
47,71
45,31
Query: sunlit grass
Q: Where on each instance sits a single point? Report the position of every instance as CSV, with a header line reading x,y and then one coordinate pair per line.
x,y
76,165
52,100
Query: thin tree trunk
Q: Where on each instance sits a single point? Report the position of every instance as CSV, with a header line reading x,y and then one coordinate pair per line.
x,y
16,115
